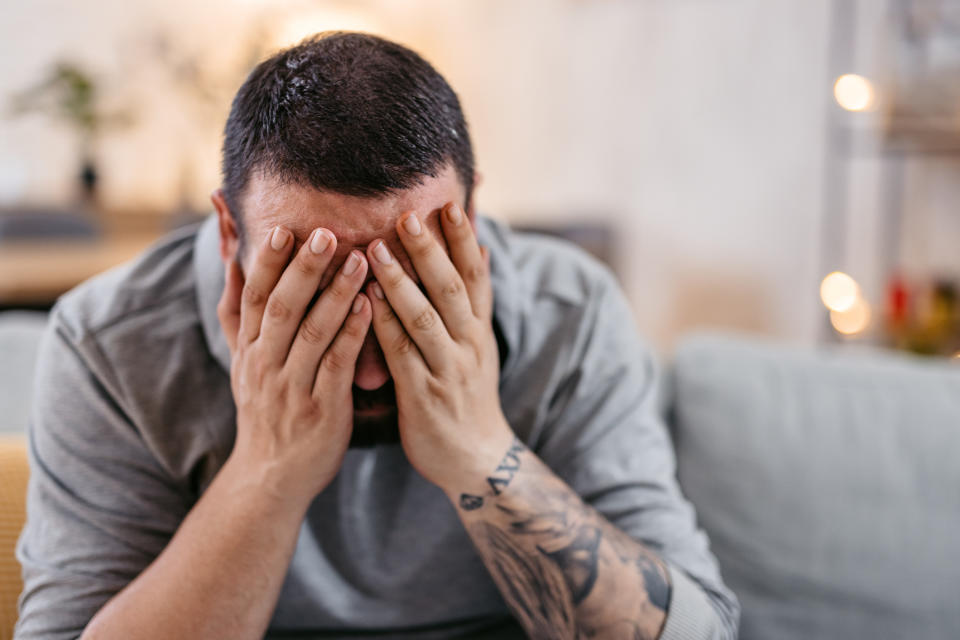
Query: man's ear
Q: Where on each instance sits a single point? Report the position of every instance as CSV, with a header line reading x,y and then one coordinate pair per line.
x,y
229,235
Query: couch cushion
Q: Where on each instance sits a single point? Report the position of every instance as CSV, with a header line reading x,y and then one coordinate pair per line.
x,y
829,483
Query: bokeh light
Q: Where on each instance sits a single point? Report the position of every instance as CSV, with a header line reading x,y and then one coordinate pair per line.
x,y
839,292
852,321
308,22
853,92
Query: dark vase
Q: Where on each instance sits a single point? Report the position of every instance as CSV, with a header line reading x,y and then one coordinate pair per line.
x,y
88,181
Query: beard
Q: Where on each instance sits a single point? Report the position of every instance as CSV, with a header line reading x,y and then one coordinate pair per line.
x,y
374,417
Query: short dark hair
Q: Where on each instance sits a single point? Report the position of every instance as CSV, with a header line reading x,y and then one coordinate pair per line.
x,y
345,112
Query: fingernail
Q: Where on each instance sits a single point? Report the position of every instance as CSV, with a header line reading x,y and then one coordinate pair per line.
x,y
382,254
454,215
320,241
352,263
412,224
278,239
377,290
358,304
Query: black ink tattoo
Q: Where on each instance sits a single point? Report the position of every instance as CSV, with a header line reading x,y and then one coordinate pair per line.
x,y
531,586
657,584
546,550
567,539
507,468
578,562
470,502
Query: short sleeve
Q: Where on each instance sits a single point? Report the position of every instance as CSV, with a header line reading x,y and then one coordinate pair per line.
x,y
100,508
606,437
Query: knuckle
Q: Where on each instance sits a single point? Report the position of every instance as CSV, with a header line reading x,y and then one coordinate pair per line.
x,y
253,296
387,315
476,273
339,291
312,332
354,328
402,344
395,277
425,320
305,266
335,361
425,245
451,290
277,309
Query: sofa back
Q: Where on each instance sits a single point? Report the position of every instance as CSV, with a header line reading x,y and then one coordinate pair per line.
x,y
20,333
829,484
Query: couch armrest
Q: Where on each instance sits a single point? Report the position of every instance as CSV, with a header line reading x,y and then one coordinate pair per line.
x,y
13,492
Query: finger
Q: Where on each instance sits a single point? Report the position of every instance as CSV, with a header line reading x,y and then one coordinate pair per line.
x,y
288,301
322,323
399,350
438,275
466,255
420,320
228,309
339,363
267,267
485,252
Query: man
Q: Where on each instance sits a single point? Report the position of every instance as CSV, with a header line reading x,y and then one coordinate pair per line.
x,y
382,416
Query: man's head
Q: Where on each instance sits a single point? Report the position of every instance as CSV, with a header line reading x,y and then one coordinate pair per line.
x,y
345,131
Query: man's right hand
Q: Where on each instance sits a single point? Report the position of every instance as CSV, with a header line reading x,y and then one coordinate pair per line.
x,y
291,374
292,368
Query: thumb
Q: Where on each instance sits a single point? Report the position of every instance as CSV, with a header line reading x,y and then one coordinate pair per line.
x,y
228,309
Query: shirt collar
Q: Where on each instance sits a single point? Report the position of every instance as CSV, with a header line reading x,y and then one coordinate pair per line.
x,y
507,295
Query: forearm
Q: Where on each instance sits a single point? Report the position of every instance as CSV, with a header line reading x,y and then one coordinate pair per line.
x,y
563,569
220,575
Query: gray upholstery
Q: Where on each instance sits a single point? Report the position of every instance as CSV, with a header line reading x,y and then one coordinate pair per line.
x,y
829,485
20,333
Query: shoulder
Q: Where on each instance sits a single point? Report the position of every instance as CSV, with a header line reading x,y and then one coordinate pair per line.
x,y
562,313
542,268
126,348
157,284
134,329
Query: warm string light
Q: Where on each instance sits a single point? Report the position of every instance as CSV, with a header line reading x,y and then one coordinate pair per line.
x,y
849,310
852,321
839,291
853,92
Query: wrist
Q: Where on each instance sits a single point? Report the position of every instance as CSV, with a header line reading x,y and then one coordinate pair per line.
x,y
266,485
478,463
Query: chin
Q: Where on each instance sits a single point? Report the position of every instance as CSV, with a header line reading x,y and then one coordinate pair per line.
x,y
372,428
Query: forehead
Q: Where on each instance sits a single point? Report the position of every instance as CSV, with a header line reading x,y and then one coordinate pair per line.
x,y
354,220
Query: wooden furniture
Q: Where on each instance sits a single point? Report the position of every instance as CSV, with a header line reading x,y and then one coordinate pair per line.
x,y
33,273
13,492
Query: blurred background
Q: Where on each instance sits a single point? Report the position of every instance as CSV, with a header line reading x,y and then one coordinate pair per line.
x,y
723,157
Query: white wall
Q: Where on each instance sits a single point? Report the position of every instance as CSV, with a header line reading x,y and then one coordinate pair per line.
x,y
695,127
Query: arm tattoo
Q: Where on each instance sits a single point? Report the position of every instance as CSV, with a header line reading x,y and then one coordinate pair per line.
x,y
469,502
500,479
535,593
548,552
507,468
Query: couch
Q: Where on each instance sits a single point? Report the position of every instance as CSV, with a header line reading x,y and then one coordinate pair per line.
x,y
828,481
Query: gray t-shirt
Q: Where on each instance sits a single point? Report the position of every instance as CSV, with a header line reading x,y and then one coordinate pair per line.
x,y
133,416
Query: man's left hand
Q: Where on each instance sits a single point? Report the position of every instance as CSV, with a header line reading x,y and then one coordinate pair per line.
x,y
441,350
